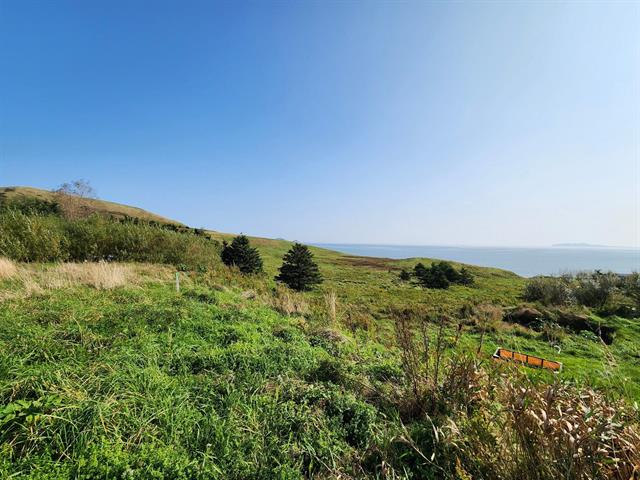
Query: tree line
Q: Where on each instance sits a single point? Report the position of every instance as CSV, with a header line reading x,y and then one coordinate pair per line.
x,y
439,275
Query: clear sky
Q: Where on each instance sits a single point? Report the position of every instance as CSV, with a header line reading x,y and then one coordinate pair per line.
x,y
463,123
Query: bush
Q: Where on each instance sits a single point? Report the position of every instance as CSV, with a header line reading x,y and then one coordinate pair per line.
x,y
548,291
30,206
298,270
32,238
595,289
242,255
441,275
631,288
46,238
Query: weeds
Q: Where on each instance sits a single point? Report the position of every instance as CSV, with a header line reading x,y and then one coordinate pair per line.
x,y
7,268
493,421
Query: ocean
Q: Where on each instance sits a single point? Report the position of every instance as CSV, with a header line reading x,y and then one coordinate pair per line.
x,y
525,261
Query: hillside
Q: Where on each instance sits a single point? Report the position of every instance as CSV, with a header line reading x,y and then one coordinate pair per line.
x,y
107,370
118,210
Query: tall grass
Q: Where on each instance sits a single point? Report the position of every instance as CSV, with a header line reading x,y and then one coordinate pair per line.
x,y
7,268
472,419
46,238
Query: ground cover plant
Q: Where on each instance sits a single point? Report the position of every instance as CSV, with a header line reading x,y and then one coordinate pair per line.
x,y
235,377
106,371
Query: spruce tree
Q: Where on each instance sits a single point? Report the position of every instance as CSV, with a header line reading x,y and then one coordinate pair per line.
x,y
242,255
419,271
298,270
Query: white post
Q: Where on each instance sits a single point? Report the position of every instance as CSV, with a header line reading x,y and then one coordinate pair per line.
x,y
177,281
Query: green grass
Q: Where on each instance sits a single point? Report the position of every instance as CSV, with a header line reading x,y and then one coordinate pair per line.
x,y
138,383
372,284
212,382
143,382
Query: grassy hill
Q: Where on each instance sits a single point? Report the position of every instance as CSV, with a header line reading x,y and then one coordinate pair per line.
x,y
118,210
107,371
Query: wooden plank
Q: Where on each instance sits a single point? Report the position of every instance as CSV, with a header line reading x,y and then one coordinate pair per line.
x,y
526,359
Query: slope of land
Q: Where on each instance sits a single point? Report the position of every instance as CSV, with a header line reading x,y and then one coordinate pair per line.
x,y
108,371
118,210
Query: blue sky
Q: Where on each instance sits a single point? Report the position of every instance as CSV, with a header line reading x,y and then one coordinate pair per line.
x,y
466,123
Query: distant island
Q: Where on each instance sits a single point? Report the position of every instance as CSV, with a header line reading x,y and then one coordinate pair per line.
x,y
582,245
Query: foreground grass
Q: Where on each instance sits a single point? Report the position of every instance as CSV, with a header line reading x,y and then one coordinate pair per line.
x,y
131,379
131,383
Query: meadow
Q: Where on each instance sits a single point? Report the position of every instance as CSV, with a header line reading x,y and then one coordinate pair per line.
x,y
108,371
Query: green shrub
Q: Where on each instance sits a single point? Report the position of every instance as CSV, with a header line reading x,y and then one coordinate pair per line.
x,y
30,206
441,275
548,291
631,288
44,238
595,289
32,238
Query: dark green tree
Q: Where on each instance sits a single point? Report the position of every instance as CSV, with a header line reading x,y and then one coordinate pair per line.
x,y
419,271
466,278
441,275
298,270
405,276
242,255
434,277
448,271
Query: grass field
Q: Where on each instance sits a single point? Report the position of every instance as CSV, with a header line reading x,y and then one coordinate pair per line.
x,y
106,371
370,287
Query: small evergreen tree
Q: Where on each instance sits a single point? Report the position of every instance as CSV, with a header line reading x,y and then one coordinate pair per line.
x,y
441,275
242,255
465,277
298,270
435,277
448,271
405,276
419,271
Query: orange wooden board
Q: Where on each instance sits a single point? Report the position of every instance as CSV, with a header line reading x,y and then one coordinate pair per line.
x,y
529,360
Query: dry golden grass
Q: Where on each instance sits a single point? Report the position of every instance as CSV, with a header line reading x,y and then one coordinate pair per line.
x,y
34,279
97,275
8,269
287,302
331,304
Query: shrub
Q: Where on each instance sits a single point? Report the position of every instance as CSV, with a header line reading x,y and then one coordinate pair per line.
x,y
631,287
466,419
405,276
44,238
30,206
595,289
242,255
548,291
552,332
441,275
298,270
32,238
